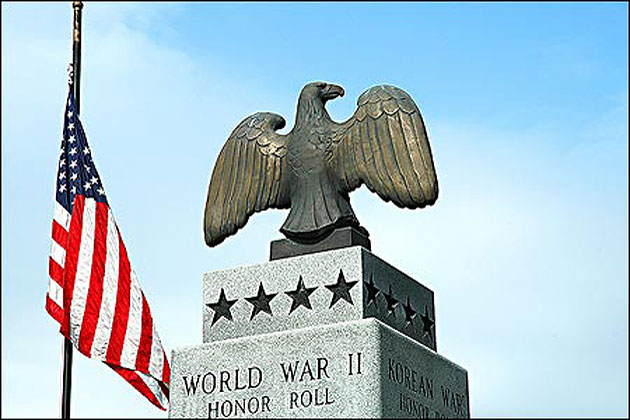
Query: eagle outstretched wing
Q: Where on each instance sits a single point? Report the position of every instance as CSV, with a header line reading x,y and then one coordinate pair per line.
x,y
247,176
385,145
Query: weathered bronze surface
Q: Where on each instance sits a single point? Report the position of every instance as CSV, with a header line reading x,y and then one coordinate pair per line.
x,y
311,170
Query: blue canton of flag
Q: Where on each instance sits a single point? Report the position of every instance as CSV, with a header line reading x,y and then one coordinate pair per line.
x,y
77,173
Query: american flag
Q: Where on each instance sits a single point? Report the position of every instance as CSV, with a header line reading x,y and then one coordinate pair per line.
x,y
92,292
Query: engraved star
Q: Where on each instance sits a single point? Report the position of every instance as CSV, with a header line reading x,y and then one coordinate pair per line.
x,y
410,313
391,302
261,301
221,308
373,291
300,296
341,290
427,324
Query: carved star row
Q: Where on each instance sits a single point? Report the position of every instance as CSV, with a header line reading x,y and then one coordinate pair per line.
x,y
299,297
392,303
340,290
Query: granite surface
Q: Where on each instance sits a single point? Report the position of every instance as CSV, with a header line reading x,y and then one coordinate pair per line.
x,y
312,290
357,369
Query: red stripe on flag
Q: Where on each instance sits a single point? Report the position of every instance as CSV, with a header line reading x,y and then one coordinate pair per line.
x,y
166,371
135,381
55,271
59,234
72,256
146,337
95,291
54,310
164,389
121,315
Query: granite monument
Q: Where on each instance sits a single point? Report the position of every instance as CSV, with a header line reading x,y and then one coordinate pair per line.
x,y
325,328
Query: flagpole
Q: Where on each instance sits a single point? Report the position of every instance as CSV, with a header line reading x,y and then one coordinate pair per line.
x,y
76,52
75,79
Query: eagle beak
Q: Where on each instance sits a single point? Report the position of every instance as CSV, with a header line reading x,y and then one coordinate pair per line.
x,y
332,91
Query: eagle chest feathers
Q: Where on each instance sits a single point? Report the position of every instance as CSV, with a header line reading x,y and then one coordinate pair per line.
x,y
309,149
317,205
312,169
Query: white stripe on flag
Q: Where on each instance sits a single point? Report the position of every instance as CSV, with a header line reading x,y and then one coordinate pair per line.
x,y
110,290
84,270
134,325
61,216
58,253
55,292
154,387
156,361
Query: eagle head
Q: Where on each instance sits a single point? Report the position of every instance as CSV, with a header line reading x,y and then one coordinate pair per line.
x,y
321,91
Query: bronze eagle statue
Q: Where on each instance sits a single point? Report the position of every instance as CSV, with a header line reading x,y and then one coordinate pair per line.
x,y
311,169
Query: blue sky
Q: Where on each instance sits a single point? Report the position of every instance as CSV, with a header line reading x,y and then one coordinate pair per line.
x,y
527,111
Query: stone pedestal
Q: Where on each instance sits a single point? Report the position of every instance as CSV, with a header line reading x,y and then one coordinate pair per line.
x,y
340,238
333,334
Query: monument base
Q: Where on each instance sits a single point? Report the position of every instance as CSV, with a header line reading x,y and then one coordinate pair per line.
x,y
358,369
